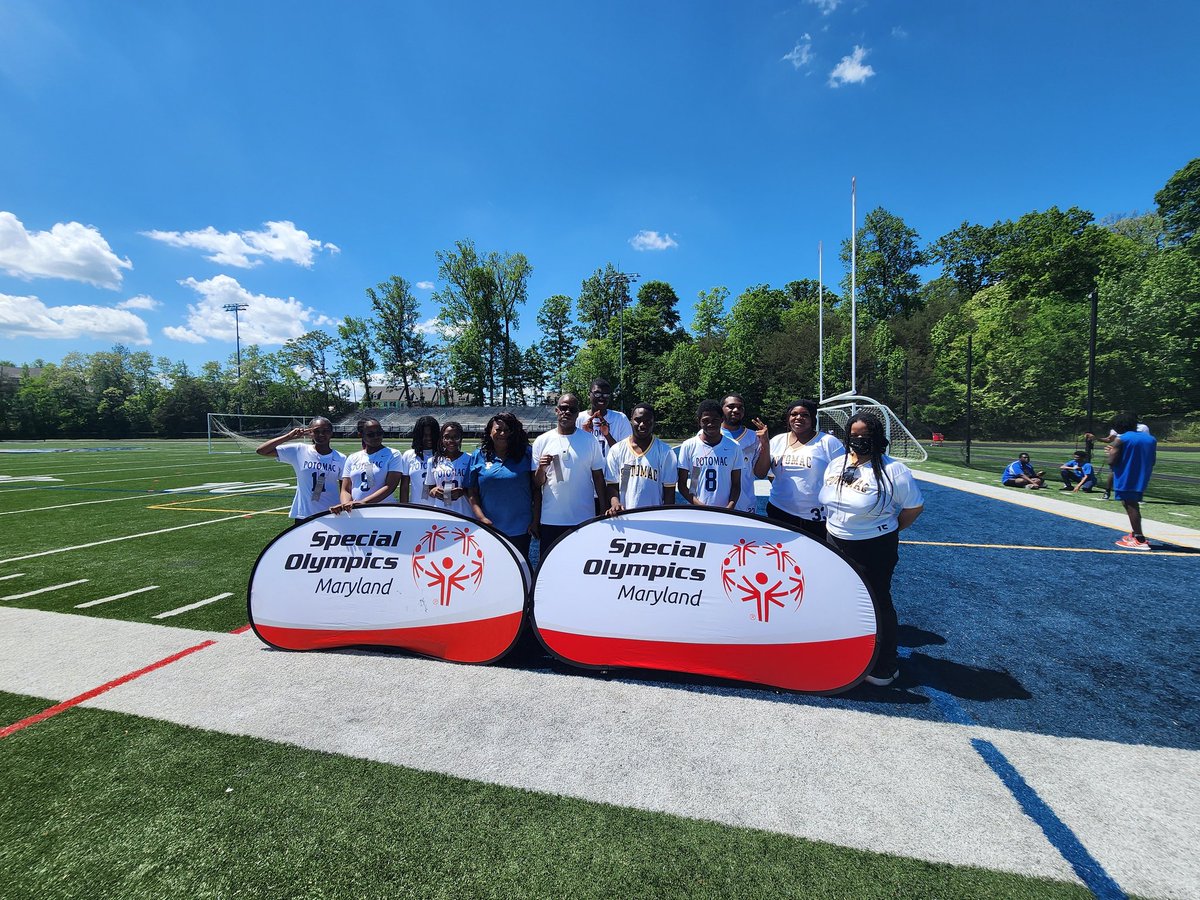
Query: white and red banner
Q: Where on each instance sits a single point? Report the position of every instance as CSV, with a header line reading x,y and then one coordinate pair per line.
x,y
413,577
707,592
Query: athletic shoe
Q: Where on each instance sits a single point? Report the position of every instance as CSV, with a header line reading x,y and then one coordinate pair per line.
x,y
1061,489
1107,496
882,680
1129,542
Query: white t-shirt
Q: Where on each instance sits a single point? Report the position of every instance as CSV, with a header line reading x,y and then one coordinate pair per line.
x,y
416,467
710,469
856,511
368,471
798,472
447,474
641,477
748,441
568,497
317,478
618,428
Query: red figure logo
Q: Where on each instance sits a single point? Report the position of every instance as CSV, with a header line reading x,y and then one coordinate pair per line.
x,y
448,560
765,574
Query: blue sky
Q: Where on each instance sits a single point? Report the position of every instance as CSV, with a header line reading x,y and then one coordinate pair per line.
x,y
160,160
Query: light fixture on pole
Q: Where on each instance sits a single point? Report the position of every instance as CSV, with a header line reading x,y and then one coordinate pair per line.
x,y
624,279
236,308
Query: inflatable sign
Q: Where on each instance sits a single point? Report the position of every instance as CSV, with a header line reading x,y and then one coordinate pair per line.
x,y
414,577
707,592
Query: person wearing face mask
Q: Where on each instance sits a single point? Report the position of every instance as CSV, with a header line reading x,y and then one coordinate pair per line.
x,y
371,474
869,498
796,461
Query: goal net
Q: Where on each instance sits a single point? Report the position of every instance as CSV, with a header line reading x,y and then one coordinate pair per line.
x,y
835,412
234,433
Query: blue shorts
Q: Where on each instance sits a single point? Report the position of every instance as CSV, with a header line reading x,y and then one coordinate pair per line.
x,y
1131,496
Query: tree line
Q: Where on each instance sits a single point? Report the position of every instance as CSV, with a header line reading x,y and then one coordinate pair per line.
x,y
1019,289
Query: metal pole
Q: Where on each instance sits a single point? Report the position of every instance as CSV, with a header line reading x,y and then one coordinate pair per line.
x,y
906,387
969,360
1094,297
853,289
820,324
235,308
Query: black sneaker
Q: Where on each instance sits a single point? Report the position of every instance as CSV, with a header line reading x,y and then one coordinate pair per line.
x,y
882,680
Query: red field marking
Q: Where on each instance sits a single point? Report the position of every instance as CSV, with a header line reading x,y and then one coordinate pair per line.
x,y
241,630
97,691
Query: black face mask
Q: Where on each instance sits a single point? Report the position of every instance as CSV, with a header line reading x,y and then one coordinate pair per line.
x,y
861,445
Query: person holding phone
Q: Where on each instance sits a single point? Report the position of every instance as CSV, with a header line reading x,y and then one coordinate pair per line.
x,y
449,473
568,473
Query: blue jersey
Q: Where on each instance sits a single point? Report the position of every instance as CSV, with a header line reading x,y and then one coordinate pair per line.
x,y
1016,469
1082,471
1131,473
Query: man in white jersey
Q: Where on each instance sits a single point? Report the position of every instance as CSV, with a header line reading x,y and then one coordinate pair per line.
x,y
641,470
733,415
318,466
568,472
710,464
607,426
371,474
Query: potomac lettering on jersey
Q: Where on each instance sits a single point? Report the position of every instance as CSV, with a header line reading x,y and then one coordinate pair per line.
x,y
318,564
642,470
665,595
348,588
320,464
711,460
794,461
328,539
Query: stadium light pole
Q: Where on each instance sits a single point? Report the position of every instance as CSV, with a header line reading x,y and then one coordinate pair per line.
x,y
624,279
236,308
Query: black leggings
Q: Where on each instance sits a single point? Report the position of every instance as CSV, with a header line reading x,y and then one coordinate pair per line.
x,y
808,526
877,557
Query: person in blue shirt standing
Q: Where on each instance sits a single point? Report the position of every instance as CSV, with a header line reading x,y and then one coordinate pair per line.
x,y
1077,474
1131,456
1020,473
501,484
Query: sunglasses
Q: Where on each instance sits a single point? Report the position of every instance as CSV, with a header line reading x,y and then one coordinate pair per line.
x,y
567,408
850,475
372,434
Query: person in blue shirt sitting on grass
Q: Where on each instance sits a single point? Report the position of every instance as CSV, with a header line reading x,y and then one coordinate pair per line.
x,y
1020,473
1077,474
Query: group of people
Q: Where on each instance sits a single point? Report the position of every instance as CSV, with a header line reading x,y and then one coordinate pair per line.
x,y
1130,452
598,461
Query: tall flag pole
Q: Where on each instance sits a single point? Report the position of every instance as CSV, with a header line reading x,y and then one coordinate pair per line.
x,y
820,325
853,288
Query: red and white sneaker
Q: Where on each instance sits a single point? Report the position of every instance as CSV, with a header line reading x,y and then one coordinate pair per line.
x,y
1129,542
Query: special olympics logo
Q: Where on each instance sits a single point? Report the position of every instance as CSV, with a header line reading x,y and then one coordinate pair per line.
x,y
449,559
764,574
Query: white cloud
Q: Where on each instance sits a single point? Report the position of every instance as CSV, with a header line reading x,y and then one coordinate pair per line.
x,y
266,320
68,250
141,301
425,285
851,69
899,32
278,241
652,240
826,6
29,317
801,54
429,326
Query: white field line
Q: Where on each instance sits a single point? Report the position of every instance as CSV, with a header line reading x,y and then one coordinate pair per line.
x,y
190,606
14,575
153,587
179,465
130,537
45,590
225,470
143,496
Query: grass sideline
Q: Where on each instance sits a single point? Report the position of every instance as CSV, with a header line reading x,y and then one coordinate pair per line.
x,y
1173,495
106,804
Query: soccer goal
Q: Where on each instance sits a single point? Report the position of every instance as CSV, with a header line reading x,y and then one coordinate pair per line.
x,y
234,433
835,412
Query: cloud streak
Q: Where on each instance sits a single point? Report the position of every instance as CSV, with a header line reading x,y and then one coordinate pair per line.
x,y
851,69
652,240
29,317
277,241
69,250
801,55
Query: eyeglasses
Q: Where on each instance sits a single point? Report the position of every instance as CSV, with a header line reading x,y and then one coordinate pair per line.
x,y
601,393
372,434
850,475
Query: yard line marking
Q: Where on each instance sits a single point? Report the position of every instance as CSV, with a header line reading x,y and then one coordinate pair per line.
x,y
17,512
44,590
130,537
97,691
153,587
190,606
17,575
241,630
1062,838
1051,549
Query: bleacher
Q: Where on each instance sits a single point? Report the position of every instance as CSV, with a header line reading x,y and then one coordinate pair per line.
x,y
399,423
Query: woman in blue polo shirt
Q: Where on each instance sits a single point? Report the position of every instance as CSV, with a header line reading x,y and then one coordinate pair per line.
x,y
501,485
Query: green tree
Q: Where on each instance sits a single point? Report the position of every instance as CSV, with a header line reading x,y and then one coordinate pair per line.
x,y
968,255
887,256
311,353
601,297
356,352
403,348
558,343
1179,205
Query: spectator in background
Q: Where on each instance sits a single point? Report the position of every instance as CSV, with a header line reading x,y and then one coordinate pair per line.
x,y
1020,473
1131,456
568,474
501,486
318,466
1077,474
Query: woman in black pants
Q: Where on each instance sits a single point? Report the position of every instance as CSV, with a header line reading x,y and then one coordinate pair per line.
x,y
869,498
